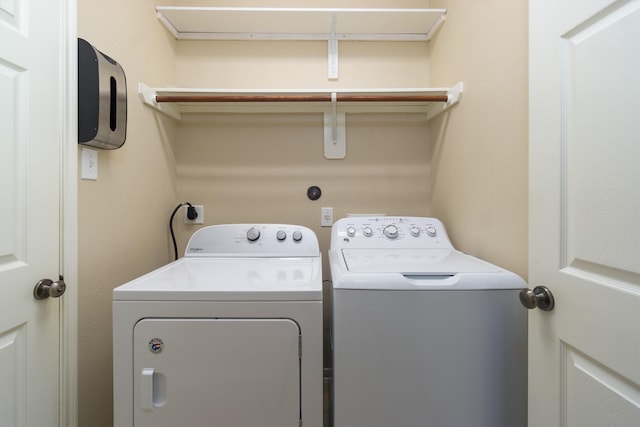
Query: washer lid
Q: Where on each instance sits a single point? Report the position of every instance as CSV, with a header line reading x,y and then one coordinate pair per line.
x,y
444,262
228,279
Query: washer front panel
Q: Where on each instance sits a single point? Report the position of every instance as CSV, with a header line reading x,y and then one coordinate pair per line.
x,y
429,359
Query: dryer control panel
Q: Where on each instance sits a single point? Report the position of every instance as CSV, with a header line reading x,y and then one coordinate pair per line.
x,y
389,232
254,240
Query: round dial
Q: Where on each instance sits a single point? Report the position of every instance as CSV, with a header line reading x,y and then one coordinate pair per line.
x,y
281,235
431,231
367,231
253,234
351,231
297,235
391,231
415,231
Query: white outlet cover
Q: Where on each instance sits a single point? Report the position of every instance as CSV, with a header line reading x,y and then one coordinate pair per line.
x,y
199,219
326,217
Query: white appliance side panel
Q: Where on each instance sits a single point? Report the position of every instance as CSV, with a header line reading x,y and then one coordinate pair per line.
x,y
429,359
216,372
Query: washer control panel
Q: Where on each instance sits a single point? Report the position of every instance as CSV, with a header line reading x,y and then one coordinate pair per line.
x,y
389,232
268,240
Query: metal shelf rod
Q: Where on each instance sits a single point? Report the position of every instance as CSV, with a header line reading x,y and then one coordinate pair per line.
x,y
302,98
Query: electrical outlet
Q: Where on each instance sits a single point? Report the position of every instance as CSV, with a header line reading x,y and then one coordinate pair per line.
x,y
326,217
199,219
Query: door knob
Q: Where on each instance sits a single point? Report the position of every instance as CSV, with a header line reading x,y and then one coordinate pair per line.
x,y
46,288
540,297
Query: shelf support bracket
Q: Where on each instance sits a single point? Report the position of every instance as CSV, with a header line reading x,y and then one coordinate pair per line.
x,y
333,50
335,144
148,96
454,95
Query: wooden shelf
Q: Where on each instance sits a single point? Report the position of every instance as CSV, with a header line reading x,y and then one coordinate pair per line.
x,y
334,104
262,23
178,101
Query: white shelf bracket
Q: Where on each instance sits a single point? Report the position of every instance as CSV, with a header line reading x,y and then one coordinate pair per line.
x,y
435,27
148,96
334,117
454,95
333,50
335,144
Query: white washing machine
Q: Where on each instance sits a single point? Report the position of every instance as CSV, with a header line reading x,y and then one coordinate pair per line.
x,y
422,334
228,335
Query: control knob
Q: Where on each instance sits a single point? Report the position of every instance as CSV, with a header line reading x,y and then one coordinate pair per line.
x,y
281,235
297,235
253,234
415,231
391,231
367,231
351,231
431,231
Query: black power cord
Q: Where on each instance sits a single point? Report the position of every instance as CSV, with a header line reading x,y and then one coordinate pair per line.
x,y
191,214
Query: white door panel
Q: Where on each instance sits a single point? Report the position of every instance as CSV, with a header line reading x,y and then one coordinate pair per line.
x,y
602,84
30,145
585,212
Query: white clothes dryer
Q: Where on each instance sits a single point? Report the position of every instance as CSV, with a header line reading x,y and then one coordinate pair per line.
x,y
228,335
422,334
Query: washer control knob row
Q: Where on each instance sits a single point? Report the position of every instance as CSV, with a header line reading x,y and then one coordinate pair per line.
x,y
253,234
391,231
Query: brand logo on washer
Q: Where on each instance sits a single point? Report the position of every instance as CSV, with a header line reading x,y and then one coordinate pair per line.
x,y
156,345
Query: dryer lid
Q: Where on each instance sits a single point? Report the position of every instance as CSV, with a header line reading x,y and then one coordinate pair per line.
x,y
229,279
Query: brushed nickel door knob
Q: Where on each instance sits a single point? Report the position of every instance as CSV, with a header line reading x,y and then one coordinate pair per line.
x,y
540,297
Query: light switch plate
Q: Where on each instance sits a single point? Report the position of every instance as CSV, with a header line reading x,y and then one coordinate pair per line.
x,y
89,164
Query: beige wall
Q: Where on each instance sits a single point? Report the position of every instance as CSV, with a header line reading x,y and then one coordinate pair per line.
x,y
480,150
258,169
467,167
123,215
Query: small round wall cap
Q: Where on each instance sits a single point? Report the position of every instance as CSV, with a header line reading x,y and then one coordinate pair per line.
x,y
314,192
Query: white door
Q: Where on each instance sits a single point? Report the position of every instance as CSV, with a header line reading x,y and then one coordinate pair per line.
x,y
216,372
31,120
584,355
